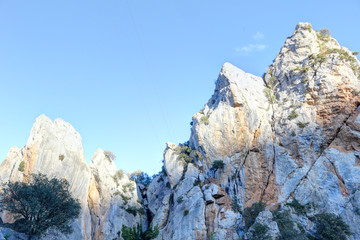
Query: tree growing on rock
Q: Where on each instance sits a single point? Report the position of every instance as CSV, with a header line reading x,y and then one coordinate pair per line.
x,y
39,205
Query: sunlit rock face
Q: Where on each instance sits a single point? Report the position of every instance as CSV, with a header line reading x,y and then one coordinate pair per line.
x,y
292,134
54,148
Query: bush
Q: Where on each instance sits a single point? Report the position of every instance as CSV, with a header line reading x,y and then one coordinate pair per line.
x,y
141,178
61,157
218,164
128,186
186,212
286,226
184,151
235,205
302,125
299,209
119,174
109,155
259,232
293,115
331,227
21,167
204,120
250,213
39,205
269,95
180,199
136,233
324,32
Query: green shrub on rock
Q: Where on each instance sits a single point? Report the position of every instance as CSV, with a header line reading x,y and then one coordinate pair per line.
x,y
250,213
331,227
218,164
136,233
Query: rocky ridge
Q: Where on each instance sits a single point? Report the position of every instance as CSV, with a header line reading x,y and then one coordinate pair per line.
x,y
292,135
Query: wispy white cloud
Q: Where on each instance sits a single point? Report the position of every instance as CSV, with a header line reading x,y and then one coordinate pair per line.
x,y
258,36
246,50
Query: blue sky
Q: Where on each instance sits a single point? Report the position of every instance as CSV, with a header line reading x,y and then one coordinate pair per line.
x,y
129,75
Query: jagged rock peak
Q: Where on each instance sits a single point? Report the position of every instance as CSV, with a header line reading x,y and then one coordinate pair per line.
x,y
63,131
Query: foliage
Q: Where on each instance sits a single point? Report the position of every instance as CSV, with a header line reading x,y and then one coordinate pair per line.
x,y
134,211
204,120
180,199
136,233
235,205
21,167
124,198
324,34
186,212
269,95
331,227
302,125
302,69
197,182
299,209
128,186
218,164
61,157
319,58
293,133
119,174
293,115
259,232
197,154
141,178
171,199
308,27
109,155
250,213
286,226
185,157
184,152
41,204
344,55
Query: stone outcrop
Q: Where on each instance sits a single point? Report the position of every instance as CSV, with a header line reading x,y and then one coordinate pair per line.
x,y
293,134
107,196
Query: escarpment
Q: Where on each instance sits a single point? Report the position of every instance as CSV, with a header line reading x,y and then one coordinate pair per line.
x,y
289,139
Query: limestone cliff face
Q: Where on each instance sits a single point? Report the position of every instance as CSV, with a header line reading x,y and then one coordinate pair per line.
x,y
108,198
292,134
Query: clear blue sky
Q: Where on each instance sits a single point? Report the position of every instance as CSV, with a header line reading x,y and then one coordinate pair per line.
x,y
129,75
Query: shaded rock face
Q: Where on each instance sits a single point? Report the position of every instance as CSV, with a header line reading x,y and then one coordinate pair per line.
x,y
293,134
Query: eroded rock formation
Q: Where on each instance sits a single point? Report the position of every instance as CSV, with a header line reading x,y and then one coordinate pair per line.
x,y
293,134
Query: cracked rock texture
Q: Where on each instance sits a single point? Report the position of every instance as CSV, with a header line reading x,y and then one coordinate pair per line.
x,y
292,134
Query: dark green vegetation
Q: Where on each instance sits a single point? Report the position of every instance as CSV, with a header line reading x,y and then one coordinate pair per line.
x,y
218,164
141,178
327,226
250,213
136,233
331,227
259,232
39,205
287,226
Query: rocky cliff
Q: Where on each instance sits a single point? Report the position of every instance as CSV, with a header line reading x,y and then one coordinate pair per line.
x,y
291,136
